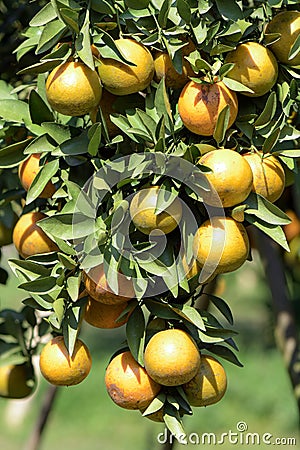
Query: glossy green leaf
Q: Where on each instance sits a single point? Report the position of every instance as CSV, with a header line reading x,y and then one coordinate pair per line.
x,y
275,232
260,207
268,112
135,333
39,111
295,48
137,4
12,155
41,285
222,124
70,17
51,35
184,10
102,6
41,67
68,226
226,353
236,85
45,15
164,13
41,179
14,111
71,323
194,316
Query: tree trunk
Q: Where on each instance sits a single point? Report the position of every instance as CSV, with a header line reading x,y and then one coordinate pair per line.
x,y
286,333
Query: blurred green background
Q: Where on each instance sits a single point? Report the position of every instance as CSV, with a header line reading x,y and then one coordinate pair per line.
x,y
84,417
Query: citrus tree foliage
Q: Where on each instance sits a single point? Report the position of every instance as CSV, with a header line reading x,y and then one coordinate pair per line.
x,y
153,142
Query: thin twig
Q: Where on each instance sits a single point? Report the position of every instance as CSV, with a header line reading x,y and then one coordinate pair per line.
x,y
35,438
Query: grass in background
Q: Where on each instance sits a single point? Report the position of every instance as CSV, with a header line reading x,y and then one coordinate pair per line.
x,y
84,417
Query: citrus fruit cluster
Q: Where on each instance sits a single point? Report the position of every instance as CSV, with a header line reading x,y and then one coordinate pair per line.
x,y
142,169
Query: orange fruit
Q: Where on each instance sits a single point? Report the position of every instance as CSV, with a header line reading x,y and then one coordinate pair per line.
x,y
62,369
200,104
29,238
122,79
14,381
163,67
27,172
171,357
292,229
268,175
231,177
101,315
221,244
142,212
128,383
73,89
255,67
287,24
97,287
209,384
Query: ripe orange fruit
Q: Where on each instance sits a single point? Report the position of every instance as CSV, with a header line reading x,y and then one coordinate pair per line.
x,y
142,212
97,287
73,89
29,238
101,315
122,79
292,229
287,23
221,244
128,383
62,369
171,357
200,104
231,177
164,67
27,172
268,175
14,381
209,384
255,67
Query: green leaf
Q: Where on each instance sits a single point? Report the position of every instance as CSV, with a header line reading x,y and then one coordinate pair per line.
x,y
135,333
68,226
51,35
162,310
41,285
102,6
39,111
226,353
137,4
271,141
12,155
236,85
41,67
229,10
156,404
222,306
73,284
94,136
71,323
41,179
164,13
222,124
70,17
184,10
41,142
267,113
74,146
60,133
83,43
194,316
275,232
260,207
45,15
174,424
59,309
13,110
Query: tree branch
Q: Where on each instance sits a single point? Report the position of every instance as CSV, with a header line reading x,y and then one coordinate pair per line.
x,y
47,405
286,333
